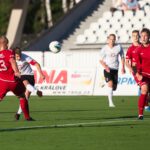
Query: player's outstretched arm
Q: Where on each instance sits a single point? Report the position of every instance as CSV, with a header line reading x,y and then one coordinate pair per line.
x,y
15,68
37,65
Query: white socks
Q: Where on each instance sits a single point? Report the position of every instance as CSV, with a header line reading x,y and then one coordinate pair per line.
x,y
31,88
110,94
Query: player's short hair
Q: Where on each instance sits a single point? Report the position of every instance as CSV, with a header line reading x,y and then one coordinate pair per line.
x,y
17,50
135,31
4,38
146,30
111,35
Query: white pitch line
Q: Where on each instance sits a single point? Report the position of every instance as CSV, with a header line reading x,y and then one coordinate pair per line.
x,y
81,124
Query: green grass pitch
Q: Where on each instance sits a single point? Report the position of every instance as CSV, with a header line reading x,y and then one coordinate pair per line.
x,y
74,123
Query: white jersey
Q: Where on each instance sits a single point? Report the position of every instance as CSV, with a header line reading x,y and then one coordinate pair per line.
x,y
111,56
24,65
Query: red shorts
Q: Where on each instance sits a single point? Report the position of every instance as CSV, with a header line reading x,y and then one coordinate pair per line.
x,y
16,87
135,78
145,80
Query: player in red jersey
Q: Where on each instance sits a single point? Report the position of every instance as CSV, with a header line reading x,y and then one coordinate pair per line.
x,y
9,77
141,68
130,57
131,50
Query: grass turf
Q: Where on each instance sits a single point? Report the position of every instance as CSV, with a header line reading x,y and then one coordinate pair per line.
x,y
117,128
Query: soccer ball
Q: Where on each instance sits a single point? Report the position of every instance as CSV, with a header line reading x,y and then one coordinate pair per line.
x,y
55,46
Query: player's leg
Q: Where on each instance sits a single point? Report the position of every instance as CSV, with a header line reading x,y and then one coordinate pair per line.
x,y
109,81
26,79
29,82
19,112
110,93
147,107
142,100
115,79
18,89
3,89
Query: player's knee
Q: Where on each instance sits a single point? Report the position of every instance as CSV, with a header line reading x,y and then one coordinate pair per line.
x,y
144,89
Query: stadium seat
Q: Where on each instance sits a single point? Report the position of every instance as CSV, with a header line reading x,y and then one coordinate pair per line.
x,y
102,38
100,33
101,21
88,32
146,22
123,36
138,26
125,24
105,26
94,27
116,26
128,15
147,9
124,39
107,15
142,3
91,39
139,14
117,14
110,31
81,39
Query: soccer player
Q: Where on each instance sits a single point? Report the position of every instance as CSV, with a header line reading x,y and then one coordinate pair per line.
x,y
130,57
109,59
141,68
131,50
9,77
24,63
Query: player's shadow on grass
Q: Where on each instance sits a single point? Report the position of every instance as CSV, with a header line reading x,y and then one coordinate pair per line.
x,y
69,110
130,125
121,117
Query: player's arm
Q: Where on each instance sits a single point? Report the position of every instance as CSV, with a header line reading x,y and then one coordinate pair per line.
x,y
32,62
122,60
104,65
136,66
128,60
14,67
37,65
128,64
102,62
123,65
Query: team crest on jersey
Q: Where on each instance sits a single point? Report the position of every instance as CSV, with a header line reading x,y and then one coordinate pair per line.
x,y
2,56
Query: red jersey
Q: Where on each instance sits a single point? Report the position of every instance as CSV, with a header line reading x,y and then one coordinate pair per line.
x,y
131,53
6,71
143,59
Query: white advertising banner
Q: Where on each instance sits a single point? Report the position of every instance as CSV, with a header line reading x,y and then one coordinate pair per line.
x,y
81,81
126,84
66,81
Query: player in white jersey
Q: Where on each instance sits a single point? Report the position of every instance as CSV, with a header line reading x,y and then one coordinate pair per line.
x,y
24,63
109,59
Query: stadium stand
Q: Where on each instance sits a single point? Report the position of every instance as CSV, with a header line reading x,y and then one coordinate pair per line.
x,y
118,23
91,25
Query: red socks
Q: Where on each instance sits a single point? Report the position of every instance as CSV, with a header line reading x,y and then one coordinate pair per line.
x,y
25,107
141,103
